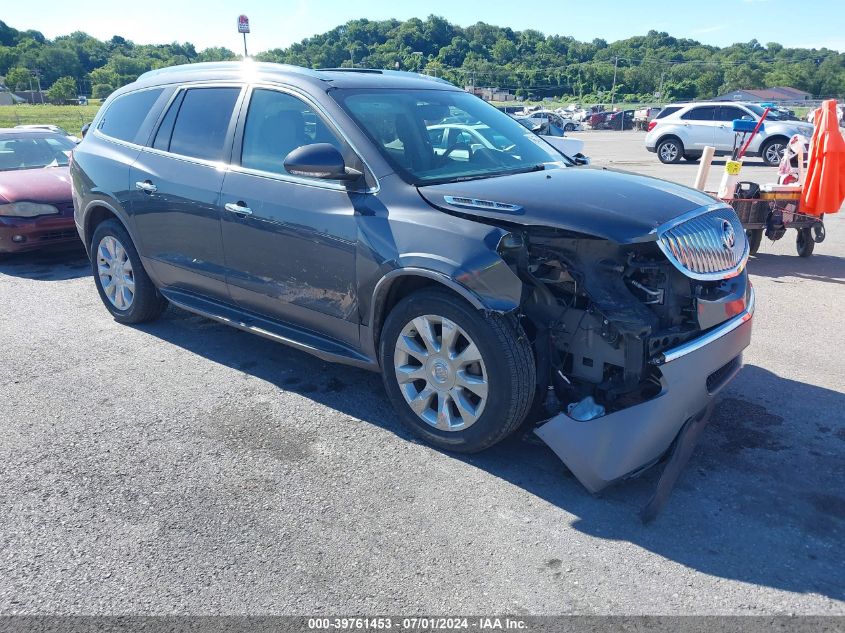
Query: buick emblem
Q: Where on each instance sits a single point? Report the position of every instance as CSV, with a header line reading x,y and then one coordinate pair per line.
x,y
728,235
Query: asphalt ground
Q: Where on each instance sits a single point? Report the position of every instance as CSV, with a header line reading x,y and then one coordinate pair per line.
x,y
186,467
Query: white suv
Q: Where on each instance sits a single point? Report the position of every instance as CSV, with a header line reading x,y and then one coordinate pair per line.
x,y
682,130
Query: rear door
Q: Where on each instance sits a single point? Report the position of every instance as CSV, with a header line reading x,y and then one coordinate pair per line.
x,y
699,125
175,184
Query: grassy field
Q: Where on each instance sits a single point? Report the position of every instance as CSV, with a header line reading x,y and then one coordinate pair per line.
x,y
69,117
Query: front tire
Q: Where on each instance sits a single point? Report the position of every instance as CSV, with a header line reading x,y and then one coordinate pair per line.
x,y
124,286
569,127
772,151
670,150
460,379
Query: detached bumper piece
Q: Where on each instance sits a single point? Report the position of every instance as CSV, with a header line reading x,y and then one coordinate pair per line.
x,y
622,443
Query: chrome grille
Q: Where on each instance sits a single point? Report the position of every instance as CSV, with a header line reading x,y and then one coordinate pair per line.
x,y
709,245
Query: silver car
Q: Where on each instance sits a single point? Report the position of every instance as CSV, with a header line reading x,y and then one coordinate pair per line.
x,y
687,129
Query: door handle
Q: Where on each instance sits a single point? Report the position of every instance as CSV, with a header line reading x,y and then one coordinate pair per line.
x,y
146,186
238,207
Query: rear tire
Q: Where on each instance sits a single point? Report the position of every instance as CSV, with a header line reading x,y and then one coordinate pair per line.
x,y
755,239
124,286
804,243
446,414
692,158
568,127
670,150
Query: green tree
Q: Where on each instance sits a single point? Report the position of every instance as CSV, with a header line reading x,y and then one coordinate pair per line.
x,y
7,58
18,79
62,90
101,91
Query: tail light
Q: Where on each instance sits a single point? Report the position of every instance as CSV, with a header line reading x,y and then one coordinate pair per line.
x,y
652,125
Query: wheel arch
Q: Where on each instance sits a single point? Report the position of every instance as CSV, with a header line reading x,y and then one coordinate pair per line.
x,y
97,212
666,137
402,282
783,138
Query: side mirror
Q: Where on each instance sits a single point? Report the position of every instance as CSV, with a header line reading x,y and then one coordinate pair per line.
x,y
85,129
319,160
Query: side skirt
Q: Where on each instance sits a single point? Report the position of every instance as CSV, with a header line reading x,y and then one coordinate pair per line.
x,y
311,342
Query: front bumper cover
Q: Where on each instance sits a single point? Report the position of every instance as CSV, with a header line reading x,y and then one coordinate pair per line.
x,y
37,232
605,449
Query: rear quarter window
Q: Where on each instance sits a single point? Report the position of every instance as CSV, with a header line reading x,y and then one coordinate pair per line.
x,y
667,111
126,113
703,113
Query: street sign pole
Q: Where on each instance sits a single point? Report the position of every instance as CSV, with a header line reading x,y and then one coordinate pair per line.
x,y
243,27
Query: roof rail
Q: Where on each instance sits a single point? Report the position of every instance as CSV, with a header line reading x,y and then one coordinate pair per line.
x,y
374,71
238,65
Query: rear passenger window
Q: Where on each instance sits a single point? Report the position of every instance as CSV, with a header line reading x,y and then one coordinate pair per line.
x,y
202,123
704,113
276,124
125,115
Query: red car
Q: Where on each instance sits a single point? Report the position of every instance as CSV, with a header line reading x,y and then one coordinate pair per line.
x,y
36,207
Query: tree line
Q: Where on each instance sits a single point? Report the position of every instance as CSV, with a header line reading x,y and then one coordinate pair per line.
x,y
655,66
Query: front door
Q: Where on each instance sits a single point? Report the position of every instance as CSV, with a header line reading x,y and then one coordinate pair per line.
x,y
290,242
724,133
176,191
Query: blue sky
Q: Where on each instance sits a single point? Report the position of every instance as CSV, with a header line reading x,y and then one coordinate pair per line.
x,y
281,22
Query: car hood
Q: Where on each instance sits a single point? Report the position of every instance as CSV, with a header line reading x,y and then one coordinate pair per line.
x,y
604,203
790,127
46,184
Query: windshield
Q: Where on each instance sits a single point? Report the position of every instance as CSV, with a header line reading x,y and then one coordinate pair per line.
x,y
432,136
34,152
771,116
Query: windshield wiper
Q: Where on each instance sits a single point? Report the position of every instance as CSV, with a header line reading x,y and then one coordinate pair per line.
x,y
495,174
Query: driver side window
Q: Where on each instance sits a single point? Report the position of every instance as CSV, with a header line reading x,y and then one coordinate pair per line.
x,y
276,124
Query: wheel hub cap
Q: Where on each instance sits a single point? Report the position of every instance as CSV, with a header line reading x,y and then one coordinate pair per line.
x,y
440,373
115,272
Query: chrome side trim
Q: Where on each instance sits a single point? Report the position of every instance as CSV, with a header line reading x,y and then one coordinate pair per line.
x,y
702,341
475,203
688,216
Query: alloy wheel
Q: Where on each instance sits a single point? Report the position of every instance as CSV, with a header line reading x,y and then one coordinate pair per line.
x,y
114,269
441,373
774,153
669,152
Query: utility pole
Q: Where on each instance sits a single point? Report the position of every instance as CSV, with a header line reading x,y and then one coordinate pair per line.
x,y
613,90
660,88
580,88
38,82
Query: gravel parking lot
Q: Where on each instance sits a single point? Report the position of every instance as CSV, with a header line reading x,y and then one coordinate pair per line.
x,y
185,467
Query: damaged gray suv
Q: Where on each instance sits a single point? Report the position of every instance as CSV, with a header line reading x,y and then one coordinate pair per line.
x,y
494,282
